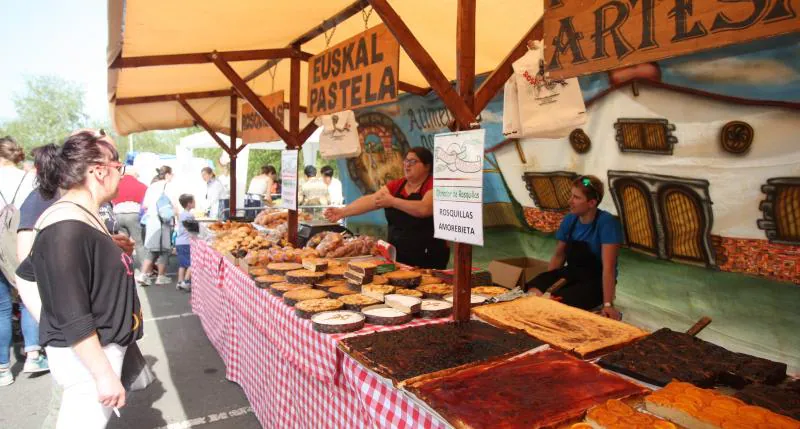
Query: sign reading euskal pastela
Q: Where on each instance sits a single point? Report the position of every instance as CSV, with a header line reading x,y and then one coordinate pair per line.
x,y
361,71
588,36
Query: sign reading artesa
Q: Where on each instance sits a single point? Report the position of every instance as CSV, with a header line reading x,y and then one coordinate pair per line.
x,y
588,36
254,127
359,72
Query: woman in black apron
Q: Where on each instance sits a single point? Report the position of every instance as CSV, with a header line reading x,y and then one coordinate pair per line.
x,y
584,269
409,212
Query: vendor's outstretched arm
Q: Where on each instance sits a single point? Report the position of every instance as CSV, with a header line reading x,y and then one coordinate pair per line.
x,y
422,208
560,255
360,206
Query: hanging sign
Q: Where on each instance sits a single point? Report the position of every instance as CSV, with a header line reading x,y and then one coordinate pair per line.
x,y
588,36
458,186
254,128
289,179
359,72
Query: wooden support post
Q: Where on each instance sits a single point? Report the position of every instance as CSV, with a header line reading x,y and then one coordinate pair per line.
x,y
234,153
200,121
251,97
294,130
465,48
424,62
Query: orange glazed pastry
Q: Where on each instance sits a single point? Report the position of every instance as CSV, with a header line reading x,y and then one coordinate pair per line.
x,y
616,414
696,408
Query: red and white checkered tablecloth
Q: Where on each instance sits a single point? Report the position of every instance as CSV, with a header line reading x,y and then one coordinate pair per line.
x,y
292,375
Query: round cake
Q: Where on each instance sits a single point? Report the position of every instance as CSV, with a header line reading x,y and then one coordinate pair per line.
x,y
436,290
434,308
403,278
409,292
265,281
330,283
257,271
385,315
338,321
292,297
278,289
306,309
473,299
357,301
378,279
336,272
429,280
338,291
489,291
304,277
281,268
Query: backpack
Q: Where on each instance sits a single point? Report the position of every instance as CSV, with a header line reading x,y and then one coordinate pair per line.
x,y
9,222
164,208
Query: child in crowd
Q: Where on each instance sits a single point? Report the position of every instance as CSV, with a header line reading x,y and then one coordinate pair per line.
x,y
182,244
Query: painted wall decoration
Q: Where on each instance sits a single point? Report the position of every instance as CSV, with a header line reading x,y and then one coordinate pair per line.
x,y
702,205
736,137
388,130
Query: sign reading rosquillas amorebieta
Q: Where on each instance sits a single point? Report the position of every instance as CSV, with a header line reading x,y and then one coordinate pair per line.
x,y
588,36
361,71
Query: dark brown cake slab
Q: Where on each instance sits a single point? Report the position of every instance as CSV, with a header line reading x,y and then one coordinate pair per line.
x,y
783,399
666,355
406,353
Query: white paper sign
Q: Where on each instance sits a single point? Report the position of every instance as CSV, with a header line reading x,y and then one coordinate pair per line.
x,y
458,186
289,179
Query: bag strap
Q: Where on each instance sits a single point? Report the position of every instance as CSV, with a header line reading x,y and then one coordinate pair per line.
x,y
92,220
19,185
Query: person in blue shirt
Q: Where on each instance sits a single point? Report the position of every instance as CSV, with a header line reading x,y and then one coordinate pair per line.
x,y
586,254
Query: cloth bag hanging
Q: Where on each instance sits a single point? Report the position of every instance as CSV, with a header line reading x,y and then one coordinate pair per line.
x,y
339,138
548,108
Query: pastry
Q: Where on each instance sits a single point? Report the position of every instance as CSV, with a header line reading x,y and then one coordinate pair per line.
x,y
315,264
332,322
783,399
278,289
407,353
338,291
696,408
616,413
336,272
538,390
292,297
403,278
378,279
257,271
434,308
406,304
376,291
281,268
265,281
306,309
436,290
429,280
304,277
357,301
409,292
568,328
666,355
489,291
330,283
382,314
363,268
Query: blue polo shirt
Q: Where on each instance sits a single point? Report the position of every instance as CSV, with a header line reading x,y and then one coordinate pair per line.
x,y
607,231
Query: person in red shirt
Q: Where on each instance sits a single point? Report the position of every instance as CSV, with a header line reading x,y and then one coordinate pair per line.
x,y
128,206
408,203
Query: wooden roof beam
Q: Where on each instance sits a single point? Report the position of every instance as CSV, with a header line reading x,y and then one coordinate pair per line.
x,y
201,58
503,72
424,62
413,89
245,92
311,34
172,97
200,121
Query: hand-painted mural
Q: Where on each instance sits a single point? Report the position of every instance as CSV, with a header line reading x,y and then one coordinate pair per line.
x,y
699,153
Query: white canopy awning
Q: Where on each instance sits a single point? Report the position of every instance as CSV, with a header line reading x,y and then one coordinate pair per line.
x,y
152,27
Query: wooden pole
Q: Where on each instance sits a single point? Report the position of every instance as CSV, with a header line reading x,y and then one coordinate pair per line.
x,y
294,131
234,154
465,61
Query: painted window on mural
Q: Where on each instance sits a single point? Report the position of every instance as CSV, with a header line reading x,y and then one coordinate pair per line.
x,y
683,224
665,216
638,214
645,135
550,191
781,210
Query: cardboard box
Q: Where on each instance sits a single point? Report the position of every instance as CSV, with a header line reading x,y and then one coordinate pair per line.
x,y
514,272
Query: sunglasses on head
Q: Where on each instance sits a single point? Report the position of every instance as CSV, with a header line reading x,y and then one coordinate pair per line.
x,y
587,183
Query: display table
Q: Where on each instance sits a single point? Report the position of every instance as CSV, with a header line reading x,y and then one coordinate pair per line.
x,y
293,376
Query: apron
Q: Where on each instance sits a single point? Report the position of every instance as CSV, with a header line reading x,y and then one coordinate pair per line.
x,y
413,236
583,271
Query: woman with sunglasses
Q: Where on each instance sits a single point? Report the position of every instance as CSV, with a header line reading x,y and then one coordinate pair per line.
x,y
588,242
90,310
408,203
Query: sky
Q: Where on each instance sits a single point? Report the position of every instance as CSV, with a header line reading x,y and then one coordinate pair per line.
x,y
54,37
